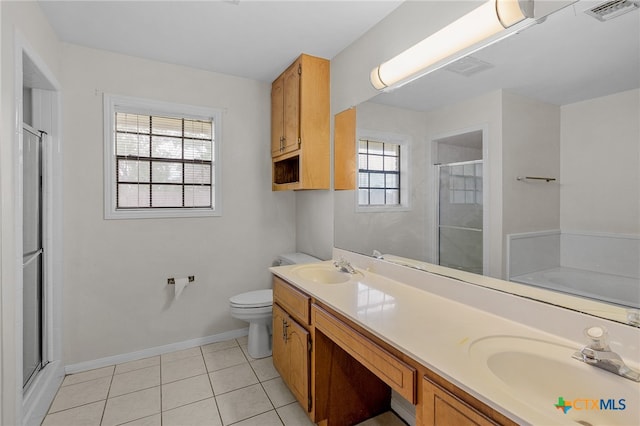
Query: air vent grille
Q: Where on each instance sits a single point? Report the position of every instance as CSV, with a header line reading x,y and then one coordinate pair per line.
x,y
468,66
612,9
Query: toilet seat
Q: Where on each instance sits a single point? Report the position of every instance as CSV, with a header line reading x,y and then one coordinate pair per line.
x,y
252,299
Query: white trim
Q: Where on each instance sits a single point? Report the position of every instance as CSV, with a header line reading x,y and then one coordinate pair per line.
x,y
113,103
524,235
38,397
41,392
434,178
403,408
405,173
157,350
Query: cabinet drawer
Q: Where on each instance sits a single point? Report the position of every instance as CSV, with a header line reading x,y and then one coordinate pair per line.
x,y
390,369
293,301
441,408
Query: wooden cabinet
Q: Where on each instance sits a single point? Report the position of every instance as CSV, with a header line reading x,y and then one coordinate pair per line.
x,y
442,407
291,346
285,111
344,156
292,341
342,374
300,125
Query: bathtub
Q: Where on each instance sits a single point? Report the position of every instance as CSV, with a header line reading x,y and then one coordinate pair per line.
x,y
610,288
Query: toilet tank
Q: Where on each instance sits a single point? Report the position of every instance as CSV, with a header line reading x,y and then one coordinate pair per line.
x,y
296,258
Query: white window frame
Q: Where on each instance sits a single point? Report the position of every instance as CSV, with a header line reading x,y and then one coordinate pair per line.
x,y
117,103
405,142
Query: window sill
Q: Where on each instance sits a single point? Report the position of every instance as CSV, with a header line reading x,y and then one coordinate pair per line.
x,y
160,213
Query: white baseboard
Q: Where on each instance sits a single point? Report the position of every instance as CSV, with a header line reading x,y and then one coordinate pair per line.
x,y
403,408
158,350
38,398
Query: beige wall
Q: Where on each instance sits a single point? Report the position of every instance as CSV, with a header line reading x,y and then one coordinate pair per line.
x,y
600,164
116,298
530,147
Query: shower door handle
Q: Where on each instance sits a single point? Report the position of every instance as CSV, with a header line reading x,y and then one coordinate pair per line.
x,y
29,257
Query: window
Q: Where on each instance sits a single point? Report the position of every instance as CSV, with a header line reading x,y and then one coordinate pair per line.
x,y
465,183
382,172
160,159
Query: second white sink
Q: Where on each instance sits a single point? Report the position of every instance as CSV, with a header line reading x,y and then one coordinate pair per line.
x,y
543,375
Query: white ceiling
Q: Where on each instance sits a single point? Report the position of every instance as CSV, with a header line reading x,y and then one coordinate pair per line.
x,y
252,39
569,57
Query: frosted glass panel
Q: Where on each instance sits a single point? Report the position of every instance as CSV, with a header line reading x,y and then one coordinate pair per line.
x,y
460,216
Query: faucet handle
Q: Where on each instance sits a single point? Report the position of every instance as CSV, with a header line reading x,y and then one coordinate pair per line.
x,y
599,338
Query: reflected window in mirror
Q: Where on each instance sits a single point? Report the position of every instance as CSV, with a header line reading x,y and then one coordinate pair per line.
x,y
466,183
382,174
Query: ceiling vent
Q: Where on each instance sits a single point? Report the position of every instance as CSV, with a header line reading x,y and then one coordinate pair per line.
x,y
468,66
612,9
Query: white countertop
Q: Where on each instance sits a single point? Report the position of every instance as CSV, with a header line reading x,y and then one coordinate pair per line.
x,y
438,332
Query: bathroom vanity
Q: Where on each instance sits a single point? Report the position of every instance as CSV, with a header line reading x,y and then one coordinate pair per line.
x,y
342,342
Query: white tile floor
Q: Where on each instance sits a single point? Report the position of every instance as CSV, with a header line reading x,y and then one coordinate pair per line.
x,y
214,385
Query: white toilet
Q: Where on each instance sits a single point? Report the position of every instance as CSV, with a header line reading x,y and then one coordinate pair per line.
x,y
256,308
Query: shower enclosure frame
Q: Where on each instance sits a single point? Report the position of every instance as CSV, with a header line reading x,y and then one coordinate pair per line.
x,y
434,178
29,406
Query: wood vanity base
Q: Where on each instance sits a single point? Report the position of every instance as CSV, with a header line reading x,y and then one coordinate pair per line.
x,y
351,372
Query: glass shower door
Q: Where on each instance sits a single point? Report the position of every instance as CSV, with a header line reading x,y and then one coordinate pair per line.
x,y
460,236
32,257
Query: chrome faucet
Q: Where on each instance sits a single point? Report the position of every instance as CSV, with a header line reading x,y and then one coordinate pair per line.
x,y
599,354
343,265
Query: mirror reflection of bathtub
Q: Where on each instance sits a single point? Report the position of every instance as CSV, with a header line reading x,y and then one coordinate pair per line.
x,y
597,266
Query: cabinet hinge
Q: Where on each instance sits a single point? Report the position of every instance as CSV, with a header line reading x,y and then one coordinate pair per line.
x,y
309,404
299,142
299,69
309,345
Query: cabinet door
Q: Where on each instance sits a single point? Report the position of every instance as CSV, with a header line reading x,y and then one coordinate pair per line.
x,y
345,152
277,116
279,346
442,408
291,108
298,348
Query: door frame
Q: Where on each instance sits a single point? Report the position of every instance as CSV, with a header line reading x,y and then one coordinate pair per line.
x,y
433,177
32,404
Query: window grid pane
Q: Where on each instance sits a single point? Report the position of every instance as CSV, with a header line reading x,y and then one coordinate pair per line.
x,y
163,162
379,173
465,184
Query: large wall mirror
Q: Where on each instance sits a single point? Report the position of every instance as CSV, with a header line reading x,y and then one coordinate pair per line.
x,y
520,163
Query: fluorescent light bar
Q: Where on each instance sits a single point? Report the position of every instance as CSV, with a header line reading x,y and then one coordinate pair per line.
x,y
478,25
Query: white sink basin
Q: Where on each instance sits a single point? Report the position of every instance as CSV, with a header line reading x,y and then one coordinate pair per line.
x,y
321,274
538,373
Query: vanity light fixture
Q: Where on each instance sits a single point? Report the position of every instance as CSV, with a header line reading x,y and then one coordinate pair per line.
x,y
486,24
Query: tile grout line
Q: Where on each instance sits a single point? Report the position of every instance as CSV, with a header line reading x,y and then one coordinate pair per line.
x,y
215,400
262,386
161,410
104,408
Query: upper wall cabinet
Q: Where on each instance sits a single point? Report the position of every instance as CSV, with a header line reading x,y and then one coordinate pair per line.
x,y
300,126
344,146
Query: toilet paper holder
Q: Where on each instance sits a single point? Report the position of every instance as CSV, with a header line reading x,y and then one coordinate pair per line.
x,y
171,281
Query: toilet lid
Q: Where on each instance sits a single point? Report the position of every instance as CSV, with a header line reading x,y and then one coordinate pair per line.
x,y
253,299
